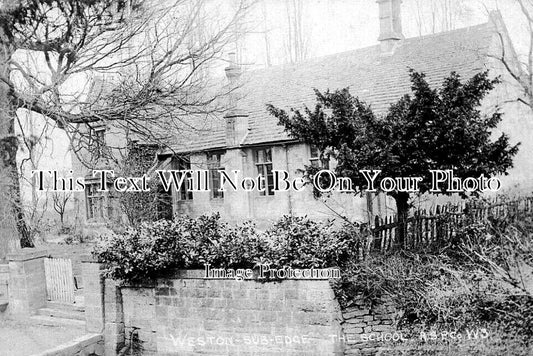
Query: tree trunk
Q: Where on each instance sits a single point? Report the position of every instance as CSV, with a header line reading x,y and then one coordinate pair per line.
x,y
9,240
13,230
402,212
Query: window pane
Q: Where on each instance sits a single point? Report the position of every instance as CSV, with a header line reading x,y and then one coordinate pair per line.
x,y
215,184
268,155
214,165
270,179
263,159
314,152
260,170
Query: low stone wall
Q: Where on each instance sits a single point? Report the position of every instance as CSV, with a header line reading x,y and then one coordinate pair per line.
x,y
369,328
185,314
87,345
189,315
27,282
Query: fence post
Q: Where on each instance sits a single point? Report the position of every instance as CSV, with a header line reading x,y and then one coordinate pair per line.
x,y
441,222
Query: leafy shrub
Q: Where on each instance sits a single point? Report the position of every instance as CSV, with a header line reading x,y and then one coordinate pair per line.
x,y
300,242
66,229
138,253
156,247
403,276
478,280
432,292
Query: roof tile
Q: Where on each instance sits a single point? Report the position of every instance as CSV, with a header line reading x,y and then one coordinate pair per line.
x,y
378,79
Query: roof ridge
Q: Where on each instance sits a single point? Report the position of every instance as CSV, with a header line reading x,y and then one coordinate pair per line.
x,y
317,59
467,28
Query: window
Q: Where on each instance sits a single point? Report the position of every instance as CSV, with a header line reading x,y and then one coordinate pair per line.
x,y
97,142
214,165
183,163
164,203
316,161
96,202
263,164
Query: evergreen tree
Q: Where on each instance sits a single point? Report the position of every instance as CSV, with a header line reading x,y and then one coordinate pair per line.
x,y
427,130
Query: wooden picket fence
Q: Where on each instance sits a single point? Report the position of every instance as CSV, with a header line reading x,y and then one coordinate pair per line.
x,y
59,279
425,227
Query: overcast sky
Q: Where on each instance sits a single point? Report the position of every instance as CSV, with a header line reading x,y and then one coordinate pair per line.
x,y
331,26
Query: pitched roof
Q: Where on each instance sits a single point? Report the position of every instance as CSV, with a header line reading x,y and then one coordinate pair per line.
x,y
378,79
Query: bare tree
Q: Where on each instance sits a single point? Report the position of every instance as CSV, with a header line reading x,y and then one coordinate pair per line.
x,y
60,200
266,35
139,47
296,42
35,141
519,67
432,16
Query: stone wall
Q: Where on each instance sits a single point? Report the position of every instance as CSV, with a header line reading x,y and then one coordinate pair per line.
x,y
186,314
103,307
27,282
237,206
190,315
369,328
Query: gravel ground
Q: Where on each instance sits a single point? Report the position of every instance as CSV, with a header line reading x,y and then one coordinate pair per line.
x,y
24,338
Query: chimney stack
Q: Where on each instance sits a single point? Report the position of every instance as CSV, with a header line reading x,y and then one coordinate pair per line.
x,y
236,119
390,24
233,70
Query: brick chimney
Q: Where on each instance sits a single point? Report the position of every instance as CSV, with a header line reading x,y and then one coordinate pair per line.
x,y
390,24
236,119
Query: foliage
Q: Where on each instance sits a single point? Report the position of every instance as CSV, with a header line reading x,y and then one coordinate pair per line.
x,y
147,205
154,248
138,253
300,242
480,279
75,237
496,343
501,249
430,129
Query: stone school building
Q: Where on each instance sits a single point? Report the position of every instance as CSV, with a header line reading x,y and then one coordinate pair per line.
x,y
248,139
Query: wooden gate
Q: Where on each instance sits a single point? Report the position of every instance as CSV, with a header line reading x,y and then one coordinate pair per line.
x,y
59,279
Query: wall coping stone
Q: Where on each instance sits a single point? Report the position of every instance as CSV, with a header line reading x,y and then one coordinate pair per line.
x,y
200,274
187,274
88,258
196,274
27,254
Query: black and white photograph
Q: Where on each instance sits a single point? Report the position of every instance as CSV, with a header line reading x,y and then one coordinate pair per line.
x,y
266,177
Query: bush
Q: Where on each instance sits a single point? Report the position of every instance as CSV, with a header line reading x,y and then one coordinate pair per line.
x,y
496,344
303,243
139,253
433,293
479,279
154,248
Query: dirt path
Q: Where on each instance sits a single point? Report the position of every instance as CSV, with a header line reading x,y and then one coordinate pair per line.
x,y
22,338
